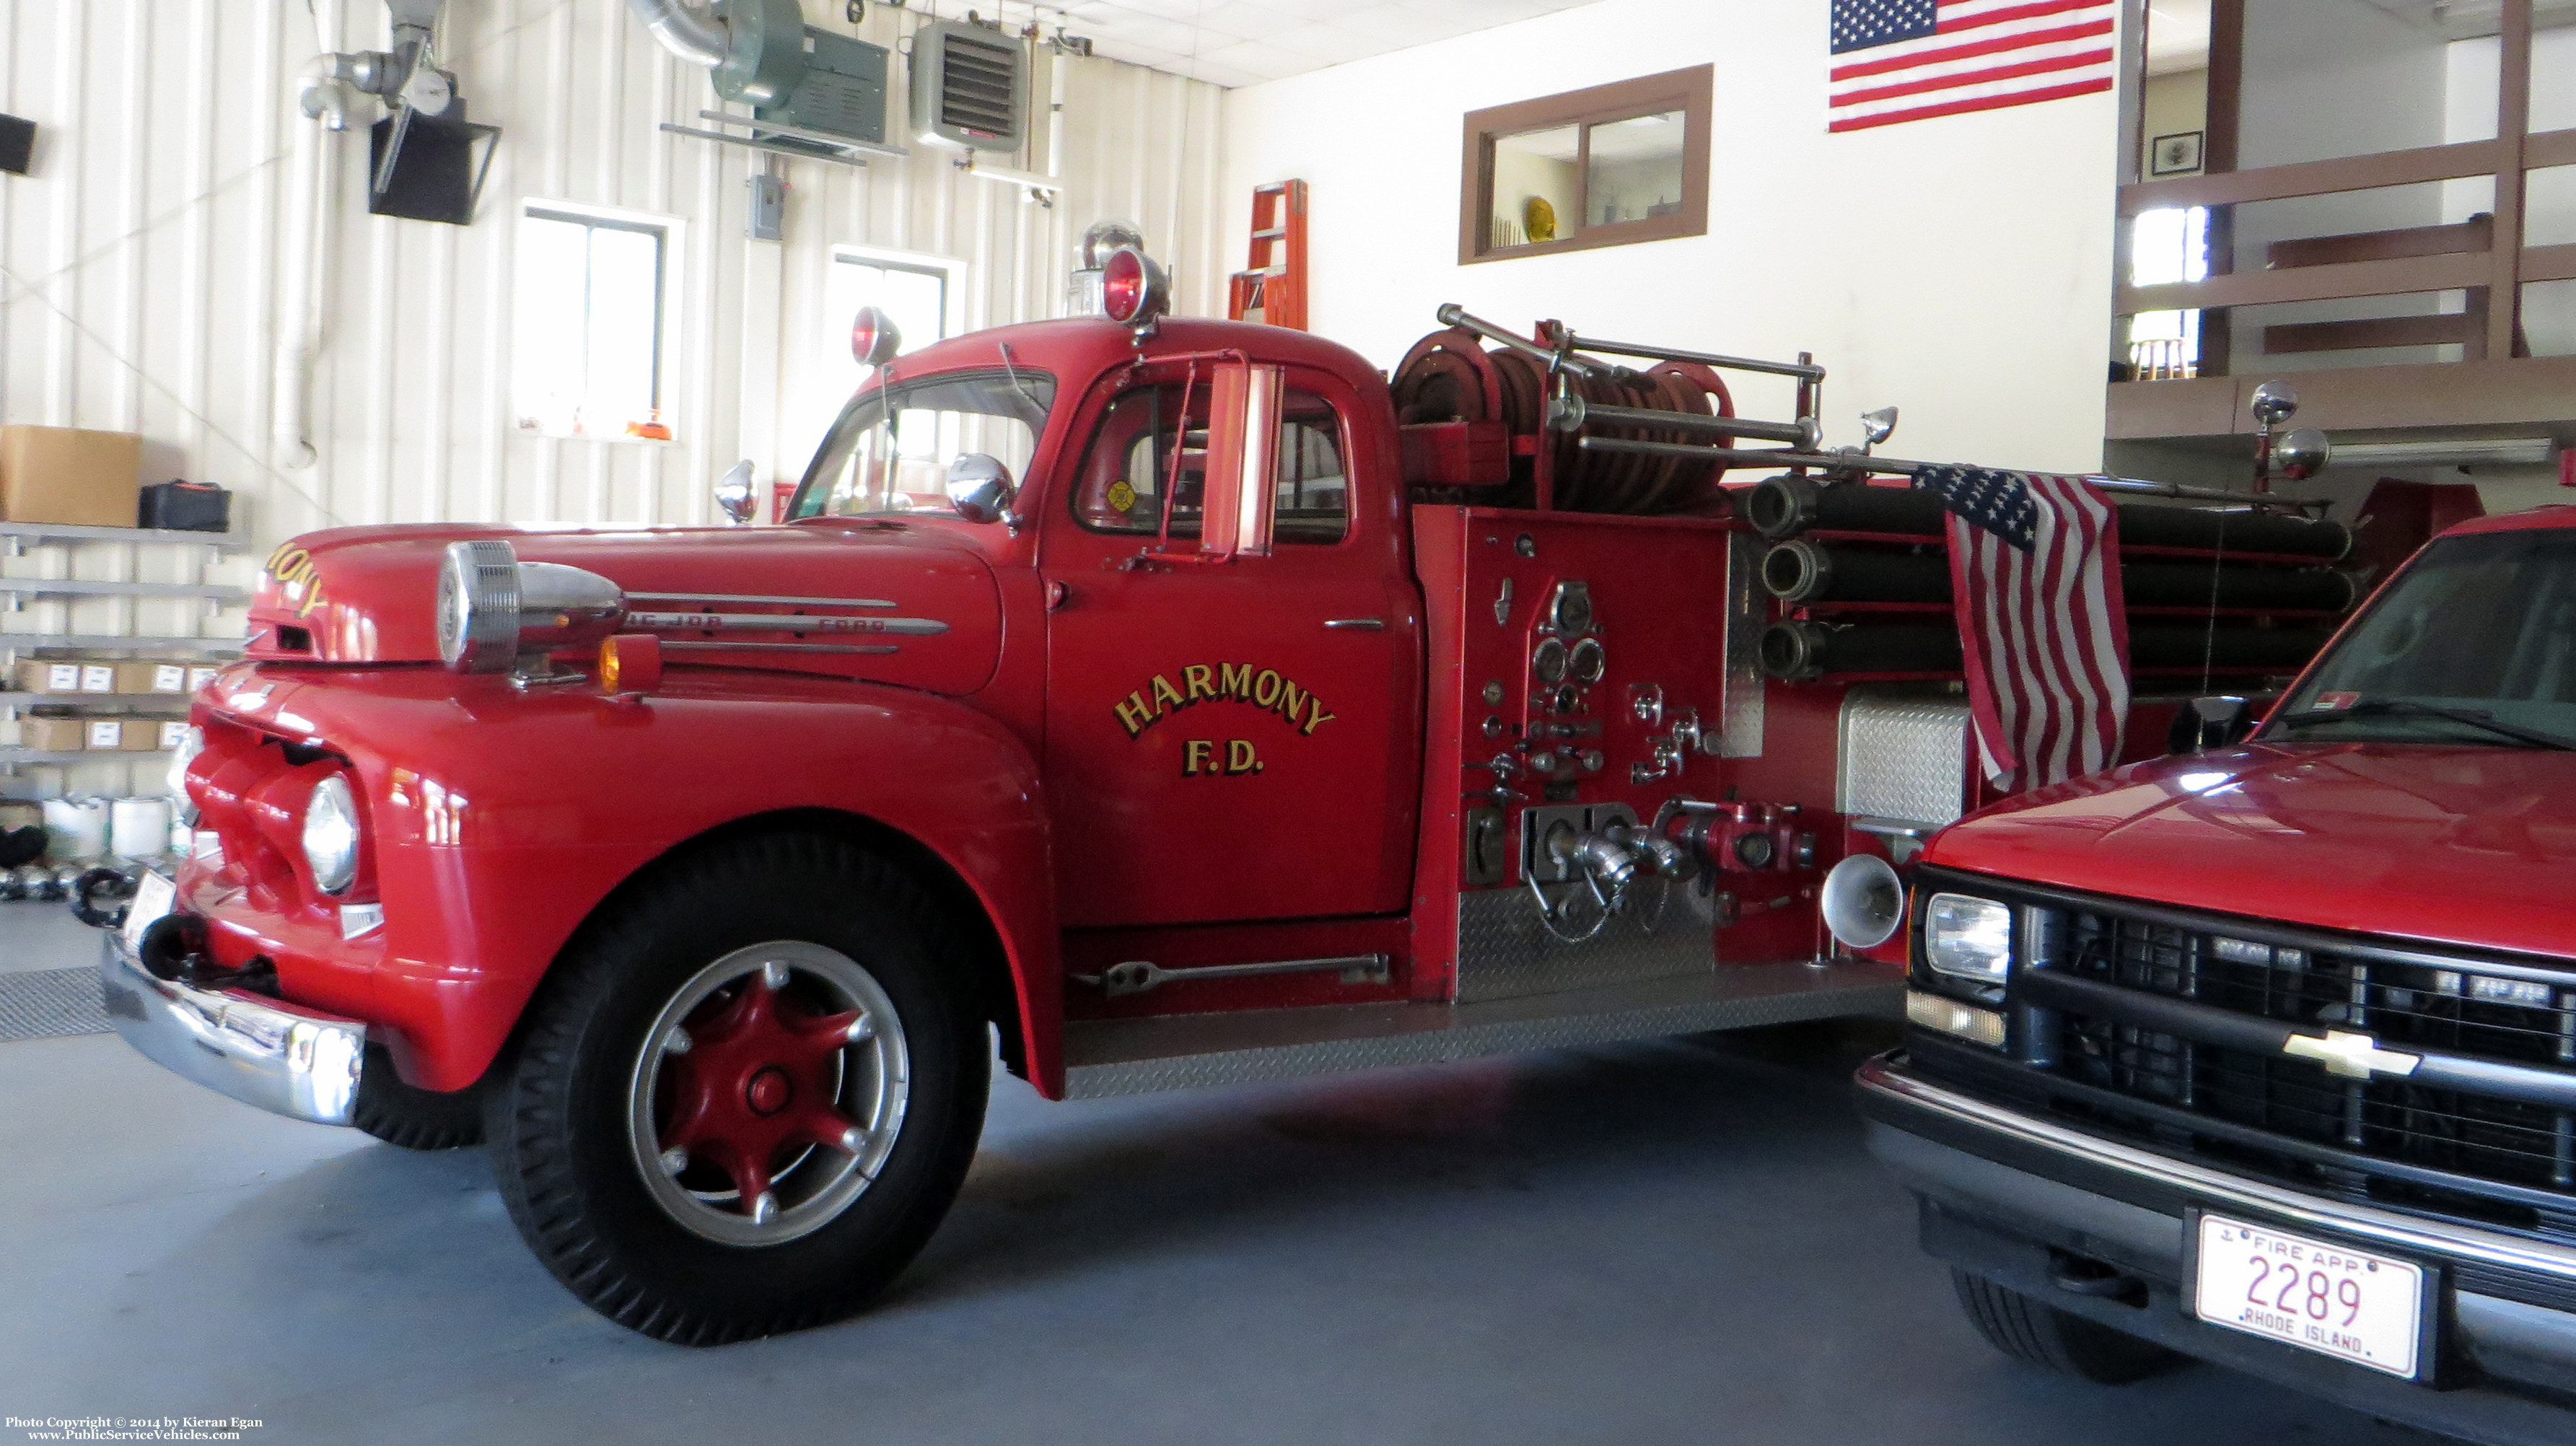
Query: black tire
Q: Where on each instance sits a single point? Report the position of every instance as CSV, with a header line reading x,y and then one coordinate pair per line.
x,y
416,1119
558,1107
2038,1334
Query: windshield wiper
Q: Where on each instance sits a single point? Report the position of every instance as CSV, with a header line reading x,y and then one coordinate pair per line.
x,y
2409,708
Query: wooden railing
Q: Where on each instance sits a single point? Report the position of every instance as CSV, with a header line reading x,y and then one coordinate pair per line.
x,y
2483,257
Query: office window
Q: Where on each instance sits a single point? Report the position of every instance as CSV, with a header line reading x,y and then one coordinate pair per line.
x,y
1598,167
914,293
593,294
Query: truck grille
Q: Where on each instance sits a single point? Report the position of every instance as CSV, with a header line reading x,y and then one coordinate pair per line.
x,y
2405,1004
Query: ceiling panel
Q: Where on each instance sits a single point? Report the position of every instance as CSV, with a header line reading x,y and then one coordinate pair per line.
x,y
1245,42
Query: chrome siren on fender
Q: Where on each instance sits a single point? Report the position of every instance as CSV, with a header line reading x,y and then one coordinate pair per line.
x,y
494,610
1863,903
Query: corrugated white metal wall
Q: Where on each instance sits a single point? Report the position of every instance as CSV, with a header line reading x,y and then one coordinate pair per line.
x,y
142,263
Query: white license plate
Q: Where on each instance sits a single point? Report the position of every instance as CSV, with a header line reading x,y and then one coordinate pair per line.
x,y
153,897
2318,1296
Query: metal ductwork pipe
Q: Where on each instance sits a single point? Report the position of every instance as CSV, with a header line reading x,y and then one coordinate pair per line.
x,y
684,30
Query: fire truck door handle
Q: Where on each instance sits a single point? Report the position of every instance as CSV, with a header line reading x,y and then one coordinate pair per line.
x,y
1361,625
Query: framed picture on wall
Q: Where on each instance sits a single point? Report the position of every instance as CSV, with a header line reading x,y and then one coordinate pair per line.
x,y
2174,154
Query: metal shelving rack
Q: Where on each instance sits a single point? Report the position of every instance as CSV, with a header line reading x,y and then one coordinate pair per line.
x,y
16,592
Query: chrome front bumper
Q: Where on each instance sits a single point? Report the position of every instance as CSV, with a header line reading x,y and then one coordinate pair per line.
x,y
282,1057
2036,1180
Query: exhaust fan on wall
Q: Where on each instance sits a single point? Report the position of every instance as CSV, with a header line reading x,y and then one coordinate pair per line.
x,y
969,87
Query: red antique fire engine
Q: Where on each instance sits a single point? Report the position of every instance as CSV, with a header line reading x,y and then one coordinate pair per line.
x,y
1178,699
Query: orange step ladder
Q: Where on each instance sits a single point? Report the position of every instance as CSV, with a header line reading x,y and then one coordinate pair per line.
x,y
1273,287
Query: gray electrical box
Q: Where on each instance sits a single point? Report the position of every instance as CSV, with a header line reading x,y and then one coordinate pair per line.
x,y
841,91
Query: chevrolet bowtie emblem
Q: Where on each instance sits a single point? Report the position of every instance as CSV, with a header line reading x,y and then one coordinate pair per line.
x,y
2354,1056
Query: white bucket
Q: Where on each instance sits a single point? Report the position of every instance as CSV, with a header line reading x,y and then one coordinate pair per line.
x,y
76,829
139,828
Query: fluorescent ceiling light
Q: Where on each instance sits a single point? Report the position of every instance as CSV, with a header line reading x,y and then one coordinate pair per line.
x,y
2440,452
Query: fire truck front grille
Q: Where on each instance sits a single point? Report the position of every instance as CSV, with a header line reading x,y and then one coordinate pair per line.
x,y
2405,1003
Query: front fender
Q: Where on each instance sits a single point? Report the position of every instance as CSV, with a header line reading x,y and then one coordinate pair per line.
x,y
502,818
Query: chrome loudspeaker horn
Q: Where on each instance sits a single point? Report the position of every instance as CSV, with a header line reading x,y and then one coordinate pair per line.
x,y
1863,902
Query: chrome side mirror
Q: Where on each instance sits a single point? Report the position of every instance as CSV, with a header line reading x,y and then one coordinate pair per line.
x,y
734,493
2206,723
2275,403
980,488
2302,454
1878,426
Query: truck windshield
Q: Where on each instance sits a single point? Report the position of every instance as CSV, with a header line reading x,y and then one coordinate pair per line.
x,y
2475,643
890,450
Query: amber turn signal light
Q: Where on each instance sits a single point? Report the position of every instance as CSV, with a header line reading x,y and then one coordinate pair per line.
x,y
630,663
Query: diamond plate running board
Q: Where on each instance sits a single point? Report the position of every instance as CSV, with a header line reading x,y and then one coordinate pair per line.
x,y
1139,1056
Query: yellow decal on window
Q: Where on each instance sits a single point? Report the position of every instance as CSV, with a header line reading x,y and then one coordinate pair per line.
x,y
1267,689
1121,495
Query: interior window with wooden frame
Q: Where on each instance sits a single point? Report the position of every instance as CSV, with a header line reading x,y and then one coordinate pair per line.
x,y
1599,167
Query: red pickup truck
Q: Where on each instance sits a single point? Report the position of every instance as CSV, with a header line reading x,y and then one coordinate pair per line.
x,y
2266,1054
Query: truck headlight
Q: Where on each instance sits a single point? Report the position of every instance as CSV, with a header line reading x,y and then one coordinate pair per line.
x,y
331,835
1968,938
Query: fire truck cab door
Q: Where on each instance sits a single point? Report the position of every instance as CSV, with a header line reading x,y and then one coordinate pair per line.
x,y
1234,739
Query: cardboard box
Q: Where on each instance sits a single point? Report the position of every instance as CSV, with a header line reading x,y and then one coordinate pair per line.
x,y
48,675
98,678
120,735
169,678
173,733
65,475
54,735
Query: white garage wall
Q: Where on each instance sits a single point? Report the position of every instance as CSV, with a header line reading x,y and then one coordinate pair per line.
x,y
1959,268
141,270
143,254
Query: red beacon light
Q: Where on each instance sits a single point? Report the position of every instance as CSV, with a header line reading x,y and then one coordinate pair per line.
x,y
874,338
1132,289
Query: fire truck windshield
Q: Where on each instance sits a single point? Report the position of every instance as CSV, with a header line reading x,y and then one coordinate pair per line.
x,y
2475,643
890,449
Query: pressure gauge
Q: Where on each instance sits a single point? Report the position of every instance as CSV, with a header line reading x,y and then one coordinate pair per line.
x,y
1549,662
1586,662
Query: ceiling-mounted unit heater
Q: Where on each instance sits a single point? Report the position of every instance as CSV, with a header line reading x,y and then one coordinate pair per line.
x,y
969,87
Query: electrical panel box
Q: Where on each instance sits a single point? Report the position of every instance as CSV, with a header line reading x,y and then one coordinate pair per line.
x,y
970,87
841,90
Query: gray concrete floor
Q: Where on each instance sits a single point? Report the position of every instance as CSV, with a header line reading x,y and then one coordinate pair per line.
x,y
1673,1242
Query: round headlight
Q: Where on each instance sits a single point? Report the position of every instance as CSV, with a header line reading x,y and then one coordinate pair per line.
x,y
191,743
331,835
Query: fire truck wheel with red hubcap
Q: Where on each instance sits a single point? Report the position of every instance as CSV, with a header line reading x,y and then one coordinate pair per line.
x,y
2038,1334
747,1093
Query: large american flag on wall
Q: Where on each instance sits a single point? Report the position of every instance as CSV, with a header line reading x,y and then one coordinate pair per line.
x,y
2035,578
1902,60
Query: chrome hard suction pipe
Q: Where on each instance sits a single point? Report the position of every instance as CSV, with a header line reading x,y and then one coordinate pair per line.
x,y
684,30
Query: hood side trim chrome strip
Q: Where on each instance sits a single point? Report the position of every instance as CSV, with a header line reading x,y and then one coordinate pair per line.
x,y
746,597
